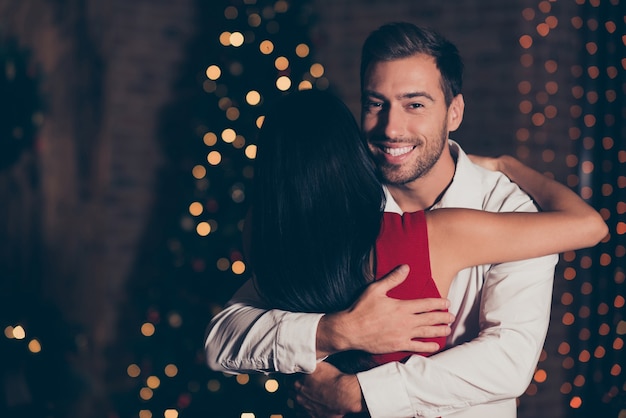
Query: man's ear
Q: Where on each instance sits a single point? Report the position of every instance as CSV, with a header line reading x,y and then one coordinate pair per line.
x,y
455,112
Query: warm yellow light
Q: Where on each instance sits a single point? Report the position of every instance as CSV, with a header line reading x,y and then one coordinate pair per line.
x,y
576,402
147,329
526,41
171,370
251,151
144,413
545,6
271,385
228,135
302,50
317,70
34,346
266,47
305,85
19,333
8,332
259,121
214,158
198,172
225,38
203,229
236,39
253,97
281,63
232,113
153,382
170,413
283,83
146,393
133,370
568,318
552,22
195,209
243,379
213,72
238,267
209,139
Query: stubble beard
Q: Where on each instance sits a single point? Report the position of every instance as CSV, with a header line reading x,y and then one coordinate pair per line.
x,y
395,174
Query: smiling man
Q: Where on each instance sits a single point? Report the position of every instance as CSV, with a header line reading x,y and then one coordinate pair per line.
x,y
411,81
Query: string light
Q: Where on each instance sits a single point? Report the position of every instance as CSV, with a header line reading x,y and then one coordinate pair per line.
x,y
593,147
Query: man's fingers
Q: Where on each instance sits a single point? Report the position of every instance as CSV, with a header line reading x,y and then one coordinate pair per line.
x,y
424,347
393,278
419,306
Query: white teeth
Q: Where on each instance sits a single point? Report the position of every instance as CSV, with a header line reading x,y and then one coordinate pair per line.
x,y
397,151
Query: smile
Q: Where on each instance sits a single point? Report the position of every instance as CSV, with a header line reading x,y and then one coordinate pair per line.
x,y
398,151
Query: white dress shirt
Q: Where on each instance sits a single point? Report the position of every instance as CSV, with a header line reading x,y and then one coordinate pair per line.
x,y
502,313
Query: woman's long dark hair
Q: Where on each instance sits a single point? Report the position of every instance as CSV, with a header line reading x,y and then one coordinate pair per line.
x,y
317,205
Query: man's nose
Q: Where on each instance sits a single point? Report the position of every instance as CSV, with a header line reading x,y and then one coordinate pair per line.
x,y
395,126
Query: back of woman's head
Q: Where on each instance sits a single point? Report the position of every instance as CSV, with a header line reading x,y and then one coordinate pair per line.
x,y
316,205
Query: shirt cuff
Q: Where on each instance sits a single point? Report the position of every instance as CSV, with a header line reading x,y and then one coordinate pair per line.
x,y
394,402
296,340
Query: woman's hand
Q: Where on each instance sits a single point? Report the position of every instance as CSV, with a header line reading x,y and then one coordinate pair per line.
x,y
490,163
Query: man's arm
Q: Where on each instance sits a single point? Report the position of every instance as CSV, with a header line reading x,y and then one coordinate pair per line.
x,y
495,366
247,337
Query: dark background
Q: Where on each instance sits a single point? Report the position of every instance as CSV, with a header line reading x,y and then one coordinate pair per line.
x,y
104,113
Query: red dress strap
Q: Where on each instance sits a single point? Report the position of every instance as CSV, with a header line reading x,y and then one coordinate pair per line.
x,y
403,239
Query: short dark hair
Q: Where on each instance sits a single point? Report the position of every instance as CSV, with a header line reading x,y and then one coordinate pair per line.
x,y
398,40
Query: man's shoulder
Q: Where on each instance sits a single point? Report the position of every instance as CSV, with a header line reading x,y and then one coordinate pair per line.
x,y
478,188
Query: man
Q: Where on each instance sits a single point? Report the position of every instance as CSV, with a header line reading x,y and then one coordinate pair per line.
x,y
411,91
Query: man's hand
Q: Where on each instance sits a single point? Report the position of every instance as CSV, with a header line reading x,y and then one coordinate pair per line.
x,y
379,324
329,393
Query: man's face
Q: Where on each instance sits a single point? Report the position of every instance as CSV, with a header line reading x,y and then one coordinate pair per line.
x,y
405,118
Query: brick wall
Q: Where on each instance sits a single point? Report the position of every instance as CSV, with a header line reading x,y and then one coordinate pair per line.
x,y
109,68
486,33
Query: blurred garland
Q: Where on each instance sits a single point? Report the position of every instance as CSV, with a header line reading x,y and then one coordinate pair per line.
x,y
20,103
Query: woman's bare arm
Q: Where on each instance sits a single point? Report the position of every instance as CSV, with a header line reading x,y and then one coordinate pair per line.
x,y
460,238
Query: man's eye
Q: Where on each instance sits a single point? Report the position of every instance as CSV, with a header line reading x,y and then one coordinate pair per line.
x,y
416,105
373,105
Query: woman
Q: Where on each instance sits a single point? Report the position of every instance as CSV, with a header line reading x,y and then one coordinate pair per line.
x,y
317,211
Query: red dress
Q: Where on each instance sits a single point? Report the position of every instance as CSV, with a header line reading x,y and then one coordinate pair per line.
x,y
403,239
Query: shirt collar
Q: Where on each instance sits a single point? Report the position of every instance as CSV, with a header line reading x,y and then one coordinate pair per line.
x,y
460,192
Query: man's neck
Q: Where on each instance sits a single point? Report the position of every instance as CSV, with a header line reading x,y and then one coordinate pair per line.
x,y
426,191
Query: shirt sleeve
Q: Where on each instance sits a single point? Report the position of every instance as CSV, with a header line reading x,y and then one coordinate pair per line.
x,y
497,365
247,337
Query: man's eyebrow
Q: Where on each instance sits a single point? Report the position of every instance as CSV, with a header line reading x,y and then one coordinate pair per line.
x,y
413,95
370,93
403,96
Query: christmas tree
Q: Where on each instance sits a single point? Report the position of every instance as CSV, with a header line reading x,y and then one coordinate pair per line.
x,y
247,55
